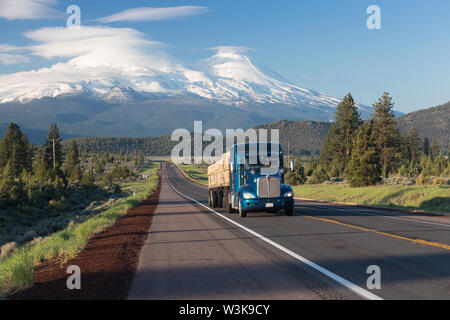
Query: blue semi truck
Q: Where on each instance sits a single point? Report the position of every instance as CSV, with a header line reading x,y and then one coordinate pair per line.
x,y
250,177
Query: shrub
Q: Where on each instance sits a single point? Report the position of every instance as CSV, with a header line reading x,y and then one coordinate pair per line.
x,y
117,189
120,173
439,181
108,180
422,180
88,179
403,171
296,177
58,206
12,190
7,249
319,175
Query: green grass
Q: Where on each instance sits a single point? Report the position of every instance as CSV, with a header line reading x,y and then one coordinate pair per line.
x,y
17,270
195,173
422,198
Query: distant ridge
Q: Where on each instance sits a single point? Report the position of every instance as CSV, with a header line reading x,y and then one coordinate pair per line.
x,y
302,137
432,123
305,137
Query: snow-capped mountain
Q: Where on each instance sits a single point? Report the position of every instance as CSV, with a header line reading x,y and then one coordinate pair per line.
x,y
228,77
111,94
236,79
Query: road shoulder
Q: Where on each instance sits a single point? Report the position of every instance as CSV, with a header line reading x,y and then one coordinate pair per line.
x,y
107,263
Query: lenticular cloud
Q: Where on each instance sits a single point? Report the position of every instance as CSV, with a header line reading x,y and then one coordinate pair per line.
x,y
153,14
29,9
97,46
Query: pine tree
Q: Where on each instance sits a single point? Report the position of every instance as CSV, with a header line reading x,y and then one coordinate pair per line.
x,y
75,175
364,168
434,149
439,165
386,135
73,156
72,164
53,138
108,180
11,188
88,178
15,149
328,150
338,145
405,150
99,167
40,171
426,147
414,145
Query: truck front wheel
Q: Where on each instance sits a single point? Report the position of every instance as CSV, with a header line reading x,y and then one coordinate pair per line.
x,y
242,213
289,212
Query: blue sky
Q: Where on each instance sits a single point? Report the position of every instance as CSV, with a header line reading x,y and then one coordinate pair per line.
x,y
321,45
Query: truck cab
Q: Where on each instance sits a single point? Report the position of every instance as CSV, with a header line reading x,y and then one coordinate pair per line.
x,y
244,182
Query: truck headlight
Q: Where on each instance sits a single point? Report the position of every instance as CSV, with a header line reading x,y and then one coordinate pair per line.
x,y
247,195
289,194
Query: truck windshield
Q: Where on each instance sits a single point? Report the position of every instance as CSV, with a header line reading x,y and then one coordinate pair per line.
x,y
254,162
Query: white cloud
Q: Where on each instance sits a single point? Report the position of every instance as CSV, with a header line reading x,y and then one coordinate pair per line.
x,y
231,49
97,46
12,55
10,58
153,14
94,58
29,9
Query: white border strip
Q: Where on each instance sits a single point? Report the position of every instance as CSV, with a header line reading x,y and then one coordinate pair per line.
x,y
349,285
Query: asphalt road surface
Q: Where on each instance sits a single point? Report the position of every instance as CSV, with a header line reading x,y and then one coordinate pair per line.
x,y
322,252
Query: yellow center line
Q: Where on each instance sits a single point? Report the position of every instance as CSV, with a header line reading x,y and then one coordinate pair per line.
x,y
428,243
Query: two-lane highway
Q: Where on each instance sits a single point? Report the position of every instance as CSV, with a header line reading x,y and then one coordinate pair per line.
x,y
322,252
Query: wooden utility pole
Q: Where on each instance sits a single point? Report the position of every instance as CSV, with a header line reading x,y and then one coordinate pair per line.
x,y
289,162
54,154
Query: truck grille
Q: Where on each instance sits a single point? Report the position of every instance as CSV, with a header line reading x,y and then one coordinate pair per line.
x,y
268,187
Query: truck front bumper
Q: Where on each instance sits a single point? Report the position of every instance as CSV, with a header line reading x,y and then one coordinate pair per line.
x,y
267,204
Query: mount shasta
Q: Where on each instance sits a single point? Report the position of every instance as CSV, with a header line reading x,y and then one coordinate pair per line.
x,y
88,98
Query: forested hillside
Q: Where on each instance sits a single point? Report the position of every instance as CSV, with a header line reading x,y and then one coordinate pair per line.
x,y
432,123
303,137
148,146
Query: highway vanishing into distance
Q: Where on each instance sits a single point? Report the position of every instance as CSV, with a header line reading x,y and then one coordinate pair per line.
x,y
322,252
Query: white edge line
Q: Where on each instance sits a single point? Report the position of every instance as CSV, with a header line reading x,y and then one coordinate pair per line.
x,y
349,285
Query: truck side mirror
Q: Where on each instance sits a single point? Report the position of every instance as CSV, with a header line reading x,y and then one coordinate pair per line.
x,y
292,165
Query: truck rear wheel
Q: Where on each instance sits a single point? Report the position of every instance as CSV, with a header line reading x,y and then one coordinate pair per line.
x,y
227,204
215,199
219,199
210,199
